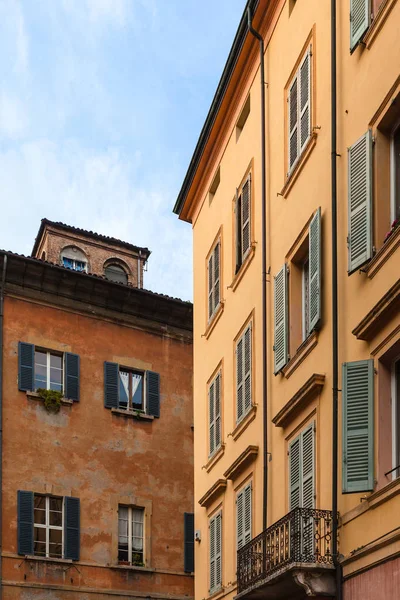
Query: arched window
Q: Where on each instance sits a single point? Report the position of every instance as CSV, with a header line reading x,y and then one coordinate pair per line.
x,y
73,258
114,272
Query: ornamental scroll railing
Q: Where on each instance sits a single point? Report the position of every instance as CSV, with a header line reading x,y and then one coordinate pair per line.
x,y
302,536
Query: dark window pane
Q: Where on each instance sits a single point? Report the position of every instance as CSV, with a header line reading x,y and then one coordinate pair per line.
x,y
39,548
40,358
56,518
55,536
123,553
123,388
137,390
39,501
40,516
40,534
55,376
55,361
56,504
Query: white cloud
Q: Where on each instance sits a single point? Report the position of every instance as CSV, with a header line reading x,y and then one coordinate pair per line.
x,y
13,118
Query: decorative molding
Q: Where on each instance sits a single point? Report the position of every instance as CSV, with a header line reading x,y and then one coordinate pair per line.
x,y
378,22
243,267
243,460
383,255
215,490
291,178
132,414
303,350
36,396
214,458
381,312
214,320
244,423
301,398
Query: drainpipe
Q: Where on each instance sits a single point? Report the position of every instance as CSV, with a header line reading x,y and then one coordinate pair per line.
x,y
3,280
335,351
264,272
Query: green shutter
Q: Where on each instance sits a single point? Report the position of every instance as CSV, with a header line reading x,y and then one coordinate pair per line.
x,y
217,262
26,362
293,144
217,412
247,360
280,320
246,218
215,526
360,11
211,402
307,467
210,285
238,232
243,516
153,394
111,385
358,426
360,202
305,100
188,550
72,369
239,380
314,280
25,522
294,474
72,528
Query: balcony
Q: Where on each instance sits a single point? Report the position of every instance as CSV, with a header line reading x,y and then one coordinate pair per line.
x,y
290,559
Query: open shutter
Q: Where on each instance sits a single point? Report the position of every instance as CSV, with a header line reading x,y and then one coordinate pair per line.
x,y
217,252
360,11
72,368
293,145
239,379
26,362
307,467
25,522
280,320
211,401
246,218
210,285
72,528
314,280
247,369
212,555
305,100
238,223
240,519
217,411
360,202
358,426
188,526
218,550
247,514
294,474
153,393
111,385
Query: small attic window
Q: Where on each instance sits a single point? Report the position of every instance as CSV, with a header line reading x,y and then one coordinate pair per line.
x,y
74,258
114,272
214,185
243,118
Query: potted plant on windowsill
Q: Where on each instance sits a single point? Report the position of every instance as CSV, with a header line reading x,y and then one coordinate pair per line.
x,y
51,398
137,560
392,229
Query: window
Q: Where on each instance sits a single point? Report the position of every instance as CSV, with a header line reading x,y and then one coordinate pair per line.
x,y
74,258
243,118
48,370
214,401
214,295
243,222
214,186
243,516
395,174
396,417
299,111
362,12
301,470
305,276
244,374
131,389
48,526
215,528
131,535
114,272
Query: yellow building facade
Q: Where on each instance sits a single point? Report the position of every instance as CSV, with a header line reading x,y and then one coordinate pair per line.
x,y
265,439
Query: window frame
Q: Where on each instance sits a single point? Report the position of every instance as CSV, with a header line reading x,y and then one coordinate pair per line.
x,y
47,525
213,382
130,549
307,52
131,371
395,393
213,283
393,191
241,338
214,520
50,353
239,255
305,299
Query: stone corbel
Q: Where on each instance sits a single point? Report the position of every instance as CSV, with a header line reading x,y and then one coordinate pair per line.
x,y
316,584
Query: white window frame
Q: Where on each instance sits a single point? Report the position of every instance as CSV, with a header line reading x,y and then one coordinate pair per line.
x,y
130,529
305,300
297,75
129,407
393,190
50,353
47,525
395,417
74,261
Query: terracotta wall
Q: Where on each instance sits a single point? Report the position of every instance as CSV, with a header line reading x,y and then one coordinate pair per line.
x,y
381,582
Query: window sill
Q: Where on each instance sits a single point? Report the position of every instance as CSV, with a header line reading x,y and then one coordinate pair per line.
x,y
216,490
302,351
383,254
243,268
245,422
214,458
36,396
377,498
132,414
218,593
377,23
133,568
214,320
293,175
67,561
302,397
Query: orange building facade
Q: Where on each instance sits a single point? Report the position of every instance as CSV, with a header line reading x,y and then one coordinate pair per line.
x,y
97,444
264,441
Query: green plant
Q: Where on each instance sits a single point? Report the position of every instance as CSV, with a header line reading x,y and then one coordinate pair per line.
x,y
137,560
51,398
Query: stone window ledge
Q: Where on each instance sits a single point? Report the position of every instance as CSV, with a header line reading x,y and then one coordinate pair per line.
x,y
378,22
133,568
243,267
237,467
67,561
379,314
244,423
375,499
214,458
388,248
301,398
36,396
293,175
214,320
132,414
303,350
215,490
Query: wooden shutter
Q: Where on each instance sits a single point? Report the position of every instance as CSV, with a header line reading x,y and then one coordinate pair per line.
x,y
217,261
239,380
360,202
26,363
153,393
211,404
314,280
360,11
358,426
72,369
216,552
238,232
246,218
218,410
210,285
243,374
307,467
294,474
111,385
293,144
305,100
243,516
280,320
188,527
247,369
72,528
25,522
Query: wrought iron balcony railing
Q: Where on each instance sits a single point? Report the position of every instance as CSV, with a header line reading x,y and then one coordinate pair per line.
x,y
302,536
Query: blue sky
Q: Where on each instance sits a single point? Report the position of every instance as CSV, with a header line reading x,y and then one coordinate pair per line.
x,y
101,105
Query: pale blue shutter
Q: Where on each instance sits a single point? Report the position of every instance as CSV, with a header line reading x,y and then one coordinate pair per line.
x,y
293,128
211,401
210,285
360,202
305,100
218,550
246,218
239,380
217,253
280,320
247,514
314,282
294,474
239,519
217,412
247,369
307,467
358,426
360,11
